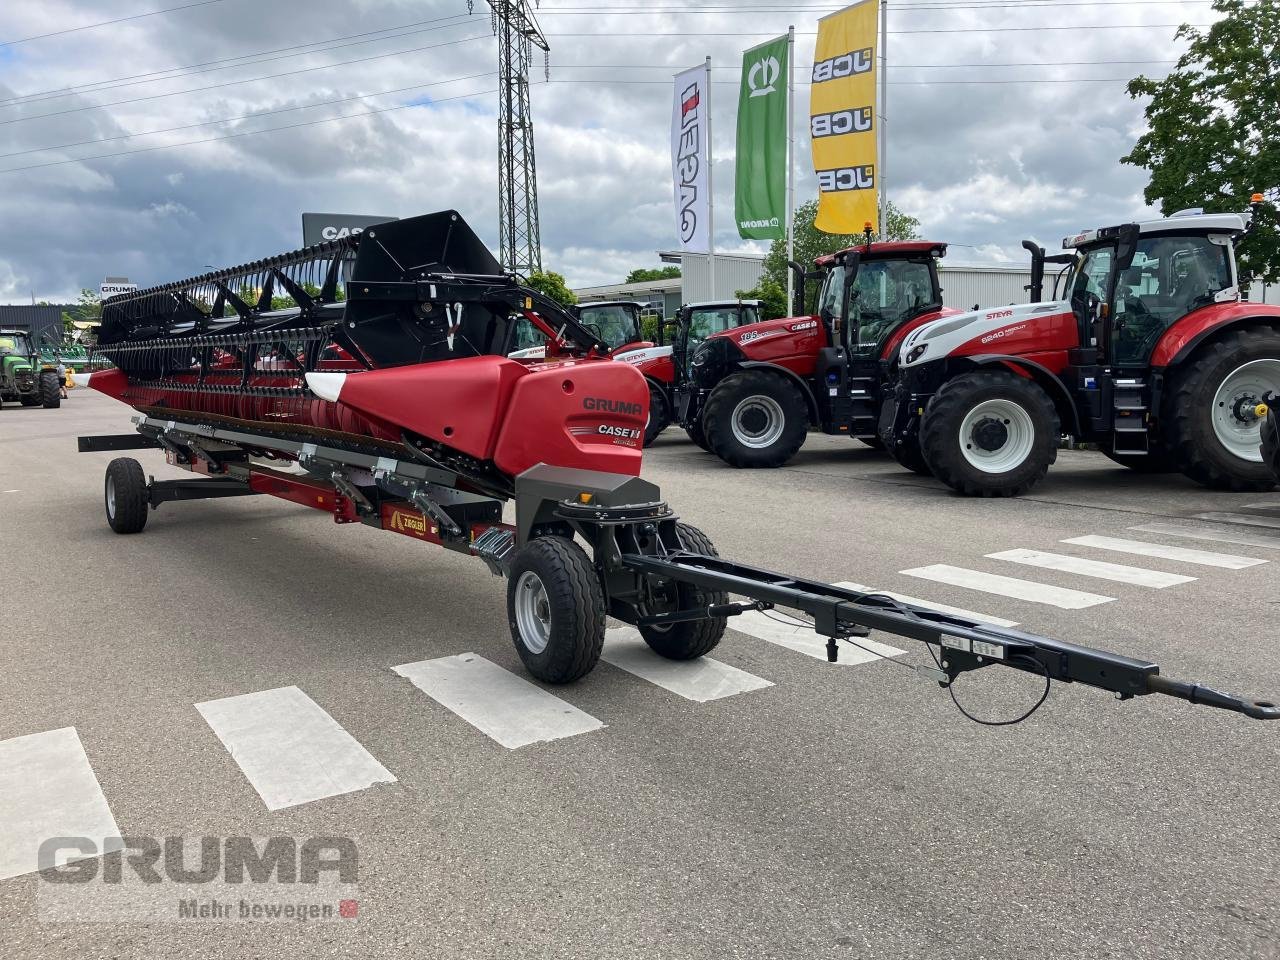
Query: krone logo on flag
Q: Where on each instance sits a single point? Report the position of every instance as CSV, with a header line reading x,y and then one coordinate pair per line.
x,y
763,76
760,185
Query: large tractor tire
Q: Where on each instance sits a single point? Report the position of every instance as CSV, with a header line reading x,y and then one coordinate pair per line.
x,y
555,608
908,454
1214,432
659,415
756,418
125,493
990,433
1271,443
691,638
698,435
50,390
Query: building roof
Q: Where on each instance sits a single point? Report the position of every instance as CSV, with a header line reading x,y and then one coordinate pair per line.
x,y
627,291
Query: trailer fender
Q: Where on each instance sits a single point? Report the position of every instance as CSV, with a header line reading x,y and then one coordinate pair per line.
x,y
1046,378
542,488
810,401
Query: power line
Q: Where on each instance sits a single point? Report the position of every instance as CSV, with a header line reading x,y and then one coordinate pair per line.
x,y
232,83
897,66
113,83
892,83
247,116
107,23
246,133
814,33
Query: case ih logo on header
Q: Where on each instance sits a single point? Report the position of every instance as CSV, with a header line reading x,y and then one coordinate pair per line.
x,y
857,120
687,161
847,178
846,65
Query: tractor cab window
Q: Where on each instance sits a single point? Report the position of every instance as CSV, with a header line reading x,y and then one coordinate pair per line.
x,y
831,296
1087,288
8,346
888,293
1169,277
526,335
616,324
704,322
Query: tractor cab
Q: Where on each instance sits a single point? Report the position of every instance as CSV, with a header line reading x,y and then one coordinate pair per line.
x,y
696,322
616,322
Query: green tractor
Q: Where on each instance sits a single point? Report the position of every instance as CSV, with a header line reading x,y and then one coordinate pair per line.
x,y
23,376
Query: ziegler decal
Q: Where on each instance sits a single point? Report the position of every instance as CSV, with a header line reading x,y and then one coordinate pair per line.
x,y
999,334
409,523
605,405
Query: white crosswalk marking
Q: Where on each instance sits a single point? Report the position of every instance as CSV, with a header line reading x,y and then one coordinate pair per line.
x,y
1098,569
502,706
1268,505
1246,519
699,680
47,789
1201,531
1142,548
1008,586
802,639
931,605
290,749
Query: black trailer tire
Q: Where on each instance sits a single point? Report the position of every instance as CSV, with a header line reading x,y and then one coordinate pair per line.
x,y
697,434
125,495
1019,438
555,608
1157,461
50,390
692,638
756,418
659,414
907,454
1200,413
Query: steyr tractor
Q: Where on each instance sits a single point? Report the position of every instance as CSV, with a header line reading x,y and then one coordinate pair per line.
x,y
754,391
666,365
22,375
615,322
1153,355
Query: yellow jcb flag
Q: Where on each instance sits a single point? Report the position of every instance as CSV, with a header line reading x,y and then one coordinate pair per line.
x,y
842,119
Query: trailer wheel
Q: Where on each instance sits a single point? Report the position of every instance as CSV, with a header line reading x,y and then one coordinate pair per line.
x,y
555,608
50,392
1215,431
692,638
756,419
990,433
659,415
126,496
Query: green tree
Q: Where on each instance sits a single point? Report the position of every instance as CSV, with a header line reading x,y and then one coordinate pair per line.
x,y
647,275
773,298
88,309
552,285
1213,135
811,243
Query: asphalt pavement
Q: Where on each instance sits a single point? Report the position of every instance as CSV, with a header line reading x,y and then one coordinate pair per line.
x,y
774,806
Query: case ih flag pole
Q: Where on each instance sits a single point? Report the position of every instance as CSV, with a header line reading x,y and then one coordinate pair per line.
x,y
691,159
760,187
842,119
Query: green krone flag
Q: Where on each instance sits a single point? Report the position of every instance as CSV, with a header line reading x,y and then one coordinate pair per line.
x,y
760,195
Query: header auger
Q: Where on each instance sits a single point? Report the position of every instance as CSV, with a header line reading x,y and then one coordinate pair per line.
x,y
396,407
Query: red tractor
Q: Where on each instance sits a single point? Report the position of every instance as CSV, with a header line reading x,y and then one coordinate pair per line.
x,y
666,366
752,392
1153,355
614,322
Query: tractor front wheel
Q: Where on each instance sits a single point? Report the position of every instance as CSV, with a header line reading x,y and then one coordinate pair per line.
x,y
756,419
50,390
907,453
689,639
555,608
127,500
697,434
990,433
1215,426
659,414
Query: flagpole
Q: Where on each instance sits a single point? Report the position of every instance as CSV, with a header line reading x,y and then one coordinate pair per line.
x,y
882,135
711,195
791,162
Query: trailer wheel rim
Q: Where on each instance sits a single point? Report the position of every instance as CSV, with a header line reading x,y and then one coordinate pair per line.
x,y
1235,424
758,422
997,436
111,498
533,612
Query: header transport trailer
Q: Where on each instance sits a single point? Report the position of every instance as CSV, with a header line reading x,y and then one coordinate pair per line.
x,y
388,400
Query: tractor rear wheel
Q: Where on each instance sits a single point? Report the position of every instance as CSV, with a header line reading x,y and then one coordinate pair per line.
x,y
689,639
50,390
555,608
1215,429
659,415
990,433
127,500
756,419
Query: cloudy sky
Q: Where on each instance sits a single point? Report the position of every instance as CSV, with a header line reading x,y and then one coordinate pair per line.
x,y
980,153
